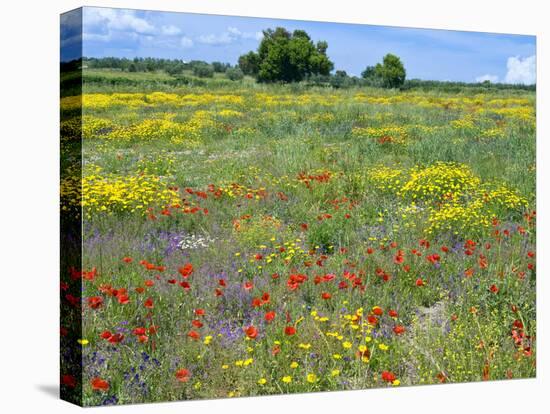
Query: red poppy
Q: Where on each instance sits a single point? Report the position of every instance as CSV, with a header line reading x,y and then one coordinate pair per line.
x,y
199,312
265,298
194,335
370,250
399,329
377,310
116,338
398,259
269,316
494,289
419,282
148,303
444,249
326,295
222,283
139,331
290,330
99,384
123,299
373,320
127,260
183,375
106,335
186,270
251,332
143,338
248,285
392,313
196,323
95,302
140,289
388,376
149,283
68,380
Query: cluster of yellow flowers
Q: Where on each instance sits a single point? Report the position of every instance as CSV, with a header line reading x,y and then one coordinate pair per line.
x,y
385,178
439,181
459,218
112,194
393,134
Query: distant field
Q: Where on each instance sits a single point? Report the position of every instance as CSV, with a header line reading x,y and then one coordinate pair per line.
x,y
244,239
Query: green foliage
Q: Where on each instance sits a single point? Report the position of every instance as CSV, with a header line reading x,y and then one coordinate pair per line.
x,y
234,74
203,70
250,63
389,74
286,57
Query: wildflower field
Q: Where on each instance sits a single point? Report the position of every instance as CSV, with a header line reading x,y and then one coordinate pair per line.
x,y
243,239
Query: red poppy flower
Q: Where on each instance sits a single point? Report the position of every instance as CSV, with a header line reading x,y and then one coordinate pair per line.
x,y
444,249
290,330
68,381
388,376
377,310
149,283
186,270
116,338
373,320
183,375
392,313
256,302
194,335
95,302
123,299
99,384
106,335
218,292
248,285
398,259
419,282
265,298
399,329
148,303
197,324
251,332
127,260
143,338
140,289
494,289
139,331
370,250
326,295
199,312
222,283
269,316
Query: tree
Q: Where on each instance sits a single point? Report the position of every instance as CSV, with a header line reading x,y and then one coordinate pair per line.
x,y
250,63
390,73
286,57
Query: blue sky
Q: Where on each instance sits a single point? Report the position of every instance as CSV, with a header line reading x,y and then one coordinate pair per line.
x,y
427,54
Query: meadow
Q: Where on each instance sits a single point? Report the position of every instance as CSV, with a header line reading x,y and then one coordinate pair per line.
x,y
243,239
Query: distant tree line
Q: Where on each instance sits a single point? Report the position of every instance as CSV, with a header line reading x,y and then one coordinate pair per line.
x,y
171,66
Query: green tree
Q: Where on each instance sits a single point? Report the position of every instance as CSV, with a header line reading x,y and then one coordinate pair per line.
x,y
250,63
234,73
286,57
390,73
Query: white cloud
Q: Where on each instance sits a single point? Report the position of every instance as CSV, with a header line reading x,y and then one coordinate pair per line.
x,y
232,34
186,42
487,77
101,23
521,70
170,30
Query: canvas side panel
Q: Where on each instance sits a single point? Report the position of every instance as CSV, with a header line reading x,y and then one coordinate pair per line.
x,y
70,208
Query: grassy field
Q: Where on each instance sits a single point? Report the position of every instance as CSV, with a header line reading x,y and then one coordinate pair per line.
x,y
241,239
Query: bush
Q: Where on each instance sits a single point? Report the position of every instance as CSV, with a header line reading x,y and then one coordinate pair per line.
x,y
203,70
234,74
